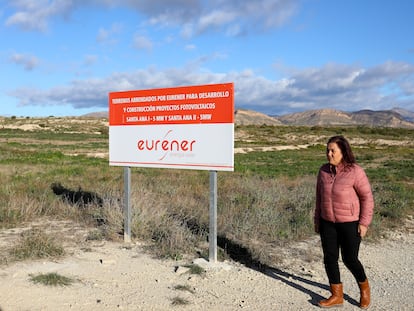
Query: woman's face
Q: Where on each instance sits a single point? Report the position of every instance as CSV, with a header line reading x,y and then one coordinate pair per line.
x,y
334,154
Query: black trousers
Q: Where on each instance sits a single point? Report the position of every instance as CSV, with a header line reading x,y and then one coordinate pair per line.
x,y
344,237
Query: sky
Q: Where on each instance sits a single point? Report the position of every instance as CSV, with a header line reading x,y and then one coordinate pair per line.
x,y
63,57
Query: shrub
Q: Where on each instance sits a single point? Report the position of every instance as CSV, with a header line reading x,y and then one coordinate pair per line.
x,y
51,279
35,244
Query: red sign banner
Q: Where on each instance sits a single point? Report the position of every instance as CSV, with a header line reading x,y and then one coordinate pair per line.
x,y
178,105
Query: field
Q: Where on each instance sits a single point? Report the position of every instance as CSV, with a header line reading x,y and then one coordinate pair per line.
x,y
266,202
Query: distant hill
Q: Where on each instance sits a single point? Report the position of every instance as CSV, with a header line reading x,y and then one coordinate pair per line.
x,y
98,114
317,117
386,118
321,117
250,117
406,114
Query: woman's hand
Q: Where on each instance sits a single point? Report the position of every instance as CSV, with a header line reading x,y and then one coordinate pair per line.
x,y
362,230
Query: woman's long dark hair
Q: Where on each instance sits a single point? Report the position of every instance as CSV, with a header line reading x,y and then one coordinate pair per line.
x,y
343,144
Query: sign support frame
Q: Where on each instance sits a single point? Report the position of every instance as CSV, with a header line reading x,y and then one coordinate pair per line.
x,y
212,237
127,204
188,120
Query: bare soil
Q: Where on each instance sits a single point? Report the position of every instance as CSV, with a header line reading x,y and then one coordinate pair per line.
x,y
119,276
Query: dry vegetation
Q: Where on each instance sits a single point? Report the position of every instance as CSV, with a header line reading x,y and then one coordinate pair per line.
x,y
264,204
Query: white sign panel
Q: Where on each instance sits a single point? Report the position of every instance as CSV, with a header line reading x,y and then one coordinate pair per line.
x,y
184,127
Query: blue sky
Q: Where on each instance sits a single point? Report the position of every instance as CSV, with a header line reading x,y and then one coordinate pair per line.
x,y
63,57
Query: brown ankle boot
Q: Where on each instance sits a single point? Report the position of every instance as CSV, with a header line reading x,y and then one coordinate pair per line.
x,y
365,300
336,299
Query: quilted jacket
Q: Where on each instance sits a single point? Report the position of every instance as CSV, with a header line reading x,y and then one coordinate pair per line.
x,y
343,196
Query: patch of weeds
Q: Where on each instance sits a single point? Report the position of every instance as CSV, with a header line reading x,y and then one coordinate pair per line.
x,y
174,256
195,269
126,247
9,217
95,235
51,279
36,244
179,301
184,288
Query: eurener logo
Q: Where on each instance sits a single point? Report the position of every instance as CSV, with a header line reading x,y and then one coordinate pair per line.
x,y
166,145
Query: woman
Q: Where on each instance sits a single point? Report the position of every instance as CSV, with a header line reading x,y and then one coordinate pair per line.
x,y
344,209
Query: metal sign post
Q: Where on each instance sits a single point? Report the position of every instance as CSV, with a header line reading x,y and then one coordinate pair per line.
x,y
213,218
127,204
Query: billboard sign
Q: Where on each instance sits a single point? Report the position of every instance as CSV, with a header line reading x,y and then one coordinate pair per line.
x,y
188,127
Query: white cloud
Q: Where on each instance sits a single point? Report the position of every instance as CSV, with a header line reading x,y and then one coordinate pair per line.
x,y
141,42
190,47
108,36
172,12
89,60
29,62
35,15
347,88
215,19
230,16
233,16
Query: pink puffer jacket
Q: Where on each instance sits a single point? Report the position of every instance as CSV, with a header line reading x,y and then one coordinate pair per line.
x,y
345,196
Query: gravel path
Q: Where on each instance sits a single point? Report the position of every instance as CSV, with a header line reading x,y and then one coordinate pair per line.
x,y
112,277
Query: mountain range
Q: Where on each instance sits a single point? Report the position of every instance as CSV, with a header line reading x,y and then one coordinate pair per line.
x,y
394,118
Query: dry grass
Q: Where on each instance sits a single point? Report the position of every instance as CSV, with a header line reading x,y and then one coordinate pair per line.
x,y
262,206
179,301
186,288
36,244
